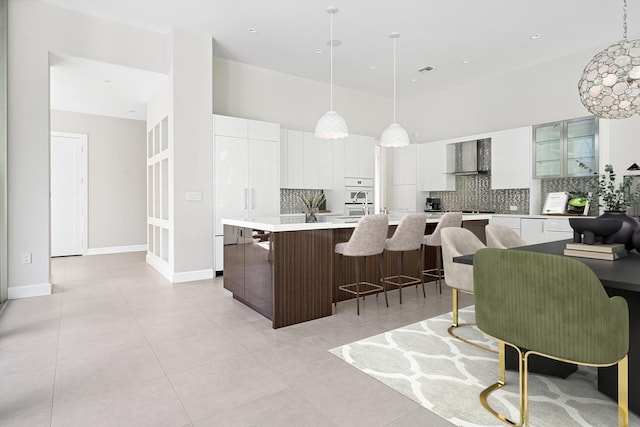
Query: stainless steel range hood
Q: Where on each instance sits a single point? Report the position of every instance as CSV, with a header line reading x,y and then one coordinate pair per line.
x,y
473,157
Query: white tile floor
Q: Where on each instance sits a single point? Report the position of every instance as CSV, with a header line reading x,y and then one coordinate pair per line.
x,y
118,345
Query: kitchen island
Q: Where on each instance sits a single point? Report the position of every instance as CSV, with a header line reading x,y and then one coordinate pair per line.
x,y
284,269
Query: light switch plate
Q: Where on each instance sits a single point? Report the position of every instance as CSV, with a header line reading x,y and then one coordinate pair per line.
x,y
26,258
513,208
193,195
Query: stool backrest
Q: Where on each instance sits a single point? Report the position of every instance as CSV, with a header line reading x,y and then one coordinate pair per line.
x,y
369,236
448,219
502,237
458,241
409,233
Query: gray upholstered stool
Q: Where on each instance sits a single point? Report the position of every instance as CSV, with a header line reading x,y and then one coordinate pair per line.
x,y
367,240
457,242
407,237
502,237
449,219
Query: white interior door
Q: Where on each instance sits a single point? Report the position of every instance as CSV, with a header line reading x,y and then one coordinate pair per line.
x,y
68,194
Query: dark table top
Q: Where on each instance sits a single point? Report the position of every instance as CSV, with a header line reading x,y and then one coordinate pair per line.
x,y
620,274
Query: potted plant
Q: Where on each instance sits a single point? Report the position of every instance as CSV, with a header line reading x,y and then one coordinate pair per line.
x,y
311,203
616,197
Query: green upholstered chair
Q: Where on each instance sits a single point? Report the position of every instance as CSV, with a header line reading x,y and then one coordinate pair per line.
x,y
552,306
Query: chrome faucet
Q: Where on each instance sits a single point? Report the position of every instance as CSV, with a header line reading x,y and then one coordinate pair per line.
x,y
365,205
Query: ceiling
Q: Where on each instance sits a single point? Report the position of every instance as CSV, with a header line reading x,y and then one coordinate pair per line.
x,y
493,37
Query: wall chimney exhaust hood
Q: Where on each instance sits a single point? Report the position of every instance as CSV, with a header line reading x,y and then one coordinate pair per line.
x,y
473,157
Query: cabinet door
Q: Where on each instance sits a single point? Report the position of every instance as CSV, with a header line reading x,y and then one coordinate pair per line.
x,y
310,161
367,157
264,192
352,156
511,158
229,126
232,187
325,164
548,146
295,156
533,230
433,167
265,131
404,165
284,163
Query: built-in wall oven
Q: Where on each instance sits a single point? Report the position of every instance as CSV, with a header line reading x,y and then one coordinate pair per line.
x,y
358,196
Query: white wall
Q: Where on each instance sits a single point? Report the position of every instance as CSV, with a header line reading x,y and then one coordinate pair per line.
x,y
116,176
624,144
191,121
544,93
251,92
35,30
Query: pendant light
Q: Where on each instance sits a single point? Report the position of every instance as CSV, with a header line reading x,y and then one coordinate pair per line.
x,y
394,135
331,125
609,85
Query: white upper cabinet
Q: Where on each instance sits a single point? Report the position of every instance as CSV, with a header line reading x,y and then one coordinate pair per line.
x,y
511,158
405,165
263,131
230,126
436,163
359,156
306,161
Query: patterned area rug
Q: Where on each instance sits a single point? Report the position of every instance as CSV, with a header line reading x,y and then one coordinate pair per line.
x,y
423,362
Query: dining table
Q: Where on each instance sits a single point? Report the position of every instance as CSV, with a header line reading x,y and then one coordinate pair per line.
x,y
622,278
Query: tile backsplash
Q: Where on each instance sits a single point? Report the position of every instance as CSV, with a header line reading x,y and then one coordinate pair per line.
x,y
289,201
473,192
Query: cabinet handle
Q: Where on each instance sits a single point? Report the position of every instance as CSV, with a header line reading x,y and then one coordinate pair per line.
x,y
542,226
246,198
253,198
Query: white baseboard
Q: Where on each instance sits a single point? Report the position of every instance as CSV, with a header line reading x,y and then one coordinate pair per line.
x,y
161,266
28,291
186,276
191,276
116,249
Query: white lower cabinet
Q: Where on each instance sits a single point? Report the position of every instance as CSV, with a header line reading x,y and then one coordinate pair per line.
x,y
534,230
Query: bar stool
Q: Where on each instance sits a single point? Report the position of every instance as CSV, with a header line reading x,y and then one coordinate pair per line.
x,y
407,237
367,239
449,219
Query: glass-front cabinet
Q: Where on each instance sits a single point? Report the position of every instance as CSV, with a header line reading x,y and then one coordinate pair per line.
x,y
560,146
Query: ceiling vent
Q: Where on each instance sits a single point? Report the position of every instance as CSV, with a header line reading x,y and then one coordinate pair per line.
x,y
427,69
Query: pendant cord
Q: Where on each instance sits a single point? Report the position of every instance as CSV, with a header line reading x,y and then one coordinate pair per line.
x,y
394,80
331,62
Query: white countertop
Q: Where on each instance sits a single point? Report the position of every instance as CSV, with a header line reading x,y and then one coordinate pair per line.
x,y
296,222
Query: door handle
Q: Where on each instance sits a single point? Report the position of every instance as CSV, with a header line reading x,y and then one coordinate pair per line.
x,y
246,198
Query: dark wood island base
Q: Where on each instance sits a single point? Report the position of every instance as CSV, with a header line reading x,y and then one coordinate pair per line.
x,y
289,276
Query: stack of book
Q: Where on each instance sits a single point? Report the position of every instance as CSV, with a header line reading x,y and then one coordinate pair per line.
x,y
607,251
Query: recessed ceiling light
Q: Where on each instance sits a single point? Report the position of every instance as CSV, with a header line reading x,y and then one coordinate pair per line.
x,y
535,36
319,51
414,80
334,43
372,67
253,30
132,111
107,81
466,61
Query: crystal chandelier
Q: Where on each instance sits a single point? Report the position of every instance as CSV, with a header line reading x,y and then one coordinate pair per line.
x,y
331,125
394,135
609,86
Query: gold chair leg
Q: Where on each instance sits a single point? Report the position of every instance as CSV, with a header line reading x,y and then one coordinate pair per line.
x,y
455,324
623,392
484,395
